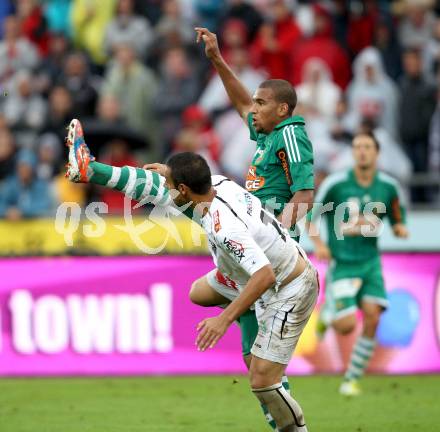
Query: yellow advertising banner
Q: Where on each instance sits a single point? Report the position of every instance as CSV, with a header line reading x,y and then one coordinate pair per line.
x,y
103,236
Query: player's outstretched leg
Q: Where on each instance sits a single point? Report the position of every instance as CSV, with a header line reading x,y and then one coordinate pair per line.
x,y
136,183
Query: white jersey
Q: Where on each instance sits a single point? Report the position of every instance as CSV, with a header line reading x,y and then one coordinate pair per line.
x,y
243,237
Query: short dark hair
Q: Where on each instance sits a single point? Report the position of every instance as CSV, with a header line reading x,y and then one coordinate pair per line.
x,y
191,170
283,92
371,135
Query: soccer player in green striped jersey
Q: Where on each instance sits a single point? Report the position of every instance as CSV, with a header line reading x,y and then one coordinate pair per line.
x,y
281,172
354,203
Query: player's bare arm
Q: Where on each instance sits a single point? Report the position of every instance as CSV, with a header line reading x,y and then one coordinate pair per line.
x,y
239,96
212,329
321,250
297,207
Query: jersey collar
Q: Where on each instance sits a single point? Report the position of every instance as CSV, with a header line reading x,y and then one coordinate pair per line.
x,y
290,120
354,179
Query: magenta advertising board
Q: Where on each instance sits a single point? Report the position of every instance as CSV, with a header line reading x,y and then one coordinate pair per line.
x,y
132,315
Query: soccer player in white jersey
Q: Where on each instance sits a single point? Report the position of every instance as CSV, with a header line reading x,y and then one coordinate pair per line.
x,y
250,247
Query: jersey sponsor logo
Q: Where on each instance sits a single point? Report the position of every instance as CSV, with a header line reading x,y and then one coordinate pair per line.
x,y
248,199
225,280
254,182
282,156
213,247
235,248
216,220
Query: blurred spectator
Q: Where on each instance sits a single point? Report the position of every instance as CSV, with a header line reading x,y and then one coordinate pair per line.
x,y
150,9
128,28
317,91
431,53
53,65
24,109
81,83
322,45
6,9
233,35
89,20
318,130
197,135
340,18
339,129
178,88
134,86
24,195
209,13
214,98
172,26
7,154
238,149
109,109
57,14
372,94
16,52
116,154
385,40
33,24
418,101
59,112
247,13
362,20
275,41
434,141
49,156
416,27
66,191
391,157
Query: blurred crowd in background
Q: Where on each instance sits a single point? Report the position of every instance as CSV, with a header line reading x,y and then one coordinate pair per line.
x,y
132,72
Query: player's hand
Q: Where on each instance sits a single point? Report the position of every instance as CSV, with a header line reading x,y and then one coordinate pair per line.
x,y
210,39
161,169
210,331
400,230
322,252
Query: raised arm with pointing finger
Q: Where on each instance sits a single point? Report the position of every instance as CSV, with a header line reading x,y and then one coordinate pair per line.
x,y
239,96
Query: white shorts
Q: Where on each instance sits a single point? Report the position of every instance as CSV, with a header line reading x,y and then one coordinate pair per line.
x,y
224,286
281,322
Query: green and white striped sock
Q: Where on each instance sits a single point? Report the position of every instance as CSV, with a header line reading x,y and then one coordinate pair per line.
x,y
269,418
137,183
362,352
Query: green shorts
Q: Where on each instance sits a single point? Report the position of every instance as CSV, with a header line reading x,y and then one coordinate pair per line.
x,y
249,330
348,284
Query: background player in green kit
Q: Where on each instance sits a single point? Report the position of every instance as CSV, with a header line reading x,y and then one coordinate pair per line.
x,y
354,202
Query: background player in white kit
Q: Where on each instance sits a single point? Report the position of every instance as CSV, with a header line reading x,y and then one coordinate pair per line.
x,y
250,247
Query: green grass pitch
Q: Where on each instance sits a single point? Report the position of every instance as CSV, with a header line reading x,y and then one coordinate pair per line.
x,y
214,404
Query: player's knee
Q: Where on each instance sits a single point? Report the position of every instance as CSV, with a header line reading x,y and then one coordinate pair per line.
x,y
260,376
257,376
195,294
345,325
258,379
